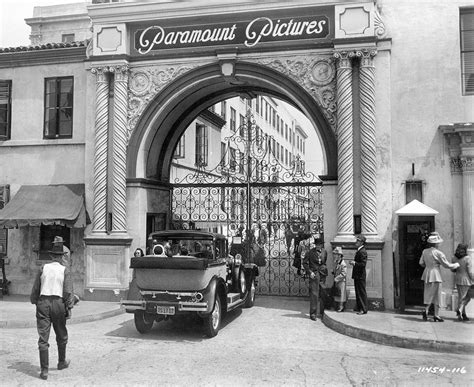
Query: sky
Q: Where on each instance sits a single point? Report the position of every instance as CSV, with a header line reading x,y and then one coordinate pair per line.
x,y
14,31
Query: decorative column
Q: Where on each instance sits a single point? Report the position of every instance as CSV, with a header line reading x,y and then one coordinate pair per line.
x,y
345,197
460,140
368,162
99,220
119,222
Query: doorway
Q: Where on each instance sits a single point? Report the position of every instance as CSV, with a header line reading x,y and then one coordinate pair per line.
x,y
413,233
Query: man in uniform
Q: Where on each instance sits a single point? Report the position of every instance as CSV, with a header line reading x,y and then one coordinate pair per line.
x,y
53,296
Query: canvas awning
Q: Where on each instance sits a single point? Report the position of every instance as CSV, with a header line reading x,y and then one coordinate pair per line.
x,y
416,208
34,205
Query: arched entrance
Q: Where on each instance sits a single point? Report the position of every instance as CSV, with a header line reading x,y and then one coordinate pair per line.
x,y
289,204
166,118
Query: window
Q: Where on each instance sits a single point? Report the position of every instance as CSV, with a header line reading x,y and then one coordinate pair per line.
x,y
467,49
223,147
47,234
257,104
223,109
58,107
4,196
278,123
179,151
67,38
241,125
202,146
241,162
233,159
5,109
233,119
414,190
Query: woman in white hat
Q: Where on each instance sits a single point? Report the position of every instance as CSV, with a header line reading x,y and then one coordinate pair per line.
x,y
431,259
340,271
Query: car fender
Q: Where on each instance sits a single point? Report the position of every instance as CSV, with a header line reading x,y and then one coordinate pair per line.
x,y
216,286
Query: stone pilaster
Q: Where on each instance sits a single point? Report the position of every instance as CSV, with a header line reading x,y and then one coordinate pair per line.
x,y
99,220
120,134
368,143
460,141
345,197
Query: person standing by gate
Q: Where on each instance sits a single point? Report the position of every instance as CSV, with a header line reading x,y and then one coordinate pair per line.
x,y
314,263
53,296
359,274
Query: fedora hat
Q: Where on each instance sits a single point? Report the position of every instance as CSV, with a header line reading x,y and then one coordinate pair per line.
x,y
57,250
434,238
58,239
338,250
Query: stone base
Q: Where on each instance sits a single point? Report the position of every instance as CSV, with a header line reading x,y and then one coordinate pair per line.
x,y
377,304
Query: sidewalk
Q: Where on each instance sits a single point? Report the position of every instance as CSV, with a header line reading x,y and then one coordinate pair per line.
x,y
388,328
17,312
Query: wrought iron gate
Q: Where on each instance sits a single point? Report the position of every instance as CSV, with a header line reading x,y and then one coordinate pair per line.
x,y
255,193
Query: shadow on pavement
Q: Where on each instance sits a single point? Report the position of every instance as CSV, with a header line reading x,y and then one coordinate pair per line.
x,y
25,368
179,329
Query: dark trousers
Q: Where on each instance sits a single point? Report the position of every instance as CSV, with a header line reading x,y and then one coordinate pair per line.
x,y
361,294
314,308
50,310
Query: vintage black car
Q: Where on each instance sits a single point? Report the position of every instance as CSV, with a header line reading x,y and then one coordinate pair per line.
x,y
189,272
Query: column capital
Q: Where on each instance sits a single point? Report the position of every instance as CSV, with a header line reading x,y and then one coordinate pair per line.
x,y
344,57
460,141
366,56
121,71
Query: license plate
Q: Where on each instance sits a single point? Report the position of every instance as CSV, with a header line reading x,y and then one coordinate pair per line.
x,y
165,309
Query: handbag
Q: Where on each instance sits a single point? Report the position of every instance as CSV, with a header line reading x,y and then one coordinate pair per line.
x,y
335,290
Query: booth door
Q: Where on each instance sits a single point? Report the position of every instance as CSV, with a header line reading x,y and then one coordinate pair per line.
x,y
413,235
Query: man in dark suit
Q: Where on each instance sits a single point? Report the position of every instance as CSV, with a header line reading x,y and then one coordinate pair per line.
x,y
314,263
359,274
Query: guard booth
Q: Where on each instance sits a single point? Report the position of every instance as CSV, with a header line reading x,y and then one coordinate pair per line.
x,y
415,222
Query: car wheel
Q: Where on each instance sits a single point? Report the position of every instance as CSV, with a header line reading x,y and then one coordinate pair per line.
x,y
242,283
212,322
251,294
143,321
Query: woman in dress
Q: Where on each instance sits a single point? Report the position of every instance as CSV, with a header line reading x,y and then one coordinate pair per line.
x,y
463,279
340,271
431,259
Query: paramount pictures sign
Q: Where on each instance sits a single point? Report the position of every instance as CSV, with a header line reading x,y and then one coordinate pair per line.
x,y
315,25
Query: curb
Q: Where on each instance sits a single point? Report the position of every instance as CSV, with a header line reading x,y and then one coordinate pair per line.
x,y
397,341
74,320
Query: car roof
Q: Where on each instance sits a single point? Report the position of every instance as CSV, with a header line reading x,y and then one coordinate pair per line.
x,y
186,234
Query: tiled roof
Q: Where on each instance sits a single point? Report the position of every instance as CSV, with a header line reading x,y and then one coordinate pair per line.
x,y
46,46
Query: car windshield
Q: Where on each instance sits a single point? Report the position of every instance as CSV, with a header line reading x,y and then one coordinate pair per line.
x,y
172,247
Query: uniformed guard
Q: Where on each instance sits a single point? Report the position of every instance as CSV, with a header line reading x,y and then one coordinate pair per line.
x,y
53,296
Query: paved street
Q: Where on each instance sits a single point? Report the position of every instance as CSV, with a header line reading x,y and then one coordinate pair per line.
x,y
272,344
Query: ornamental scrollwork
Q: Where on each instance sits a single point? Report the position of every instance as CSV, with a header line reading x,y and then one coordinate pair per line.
x,y
145,84
316,74
379,29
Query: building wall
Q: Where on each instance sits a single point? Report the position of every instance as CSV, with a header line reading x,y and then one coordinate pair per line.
x,y
425,92
28,159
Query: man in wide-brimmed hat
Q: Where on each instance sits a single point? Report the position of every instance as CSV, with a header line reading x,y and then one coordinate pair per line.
x,y
359,275
53,296
59,241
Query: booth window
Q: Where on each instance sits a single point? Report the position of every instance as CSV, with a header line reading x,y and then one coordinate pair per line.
x,y
58,106
467,49
414,190
5,109
47,234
